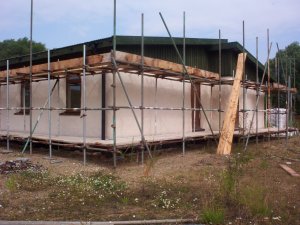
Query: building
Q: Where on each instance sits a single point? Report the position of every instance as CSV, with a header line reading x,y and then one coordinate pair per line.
x,y
82,96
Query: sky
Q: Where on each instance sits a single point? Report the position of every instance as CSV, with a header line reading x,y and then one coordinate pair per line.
x,y
59,23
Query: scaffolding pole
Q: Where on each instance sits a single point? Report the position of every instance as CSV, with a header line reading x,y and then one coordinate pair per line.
x,y
142,87
7,104
183,87
30,80
38,120
191,81
130,104
278,93
269,90
49,106
114,91
220,83
257,91
244,79
257,100
84,105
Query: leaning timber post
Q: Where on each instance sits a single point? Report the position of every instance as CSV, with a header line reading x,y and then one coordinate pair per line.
x,y
225,142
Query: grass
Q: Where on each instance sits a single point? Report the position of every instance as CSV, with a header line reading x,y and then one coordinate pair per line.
x,y
232,188
255,199
212,215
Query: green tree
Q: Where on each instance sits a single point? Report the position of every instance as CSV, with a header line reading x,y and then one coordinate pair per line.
x,y
288,64
12,48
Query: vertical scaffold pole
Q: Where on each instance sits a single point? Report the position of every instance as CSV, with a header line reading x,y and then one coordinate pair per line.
x,y
84,105
257,91
114,92
220,82
288,106
294,106
58,102
142,86
278,96
49,106
244,82
277,69
24,105
269,91
30,79
183,88
7,104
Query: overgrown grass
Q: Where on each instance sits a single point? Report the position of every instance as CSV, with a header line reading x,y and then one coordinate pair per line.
x,y
212,215
28,180
255,199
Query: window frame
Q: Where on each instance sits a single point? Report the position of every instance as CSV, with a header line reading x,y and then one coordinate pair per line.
x,y
25,86
69,82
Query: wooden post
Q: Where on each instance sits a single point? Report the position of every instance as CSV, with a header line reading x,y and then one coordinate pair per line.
x,y
226,137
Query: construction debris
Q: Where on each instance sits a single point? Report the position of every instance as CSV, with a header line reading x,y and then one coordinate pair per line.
x,y
18,165
289,170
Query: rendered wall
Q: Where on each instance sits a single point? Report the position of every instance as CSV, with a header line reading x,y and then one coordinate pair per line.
x,y
168,94
210,99
65,125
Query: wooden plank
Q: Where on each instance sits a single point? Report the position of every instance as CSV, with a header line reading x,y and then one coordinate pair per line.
x,y
163,64
225,142
57,66
289,170
121,57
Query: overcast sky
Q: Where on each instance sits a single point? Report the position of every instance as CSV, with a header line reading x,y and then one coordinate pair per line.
x,y
59,23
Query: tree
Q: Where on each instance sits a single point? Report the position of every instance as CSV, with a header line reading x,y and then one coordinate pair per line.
x,y
289,64
12,48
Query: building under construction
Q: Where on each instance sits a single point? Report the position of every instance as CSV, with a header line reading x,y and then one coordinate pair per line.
x,y
129,91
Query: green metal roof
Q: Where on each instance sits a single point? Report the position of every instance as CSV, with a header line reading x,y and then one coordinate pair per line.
x,y
157,47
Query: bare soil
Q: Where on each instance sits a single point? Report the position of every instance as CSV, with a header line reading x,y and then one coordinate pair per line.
x,y
249,187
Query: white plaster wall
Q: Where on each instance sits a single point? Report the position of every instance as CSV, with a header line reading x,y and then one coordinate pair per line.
x,y
210,100
169,94
65,125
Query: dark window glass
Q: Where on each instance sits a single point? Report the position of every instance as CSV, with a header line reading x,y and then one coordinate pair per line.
x,y
73,91
25,95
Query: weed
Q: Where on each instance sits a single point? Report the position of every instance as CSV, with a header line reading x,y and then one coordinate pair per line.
x,y
212,215
11,183
28,180
264,164
255,199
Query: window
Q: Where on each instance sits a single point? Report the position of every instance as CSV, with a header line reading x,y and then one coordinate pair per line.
x,y
25,96
73,94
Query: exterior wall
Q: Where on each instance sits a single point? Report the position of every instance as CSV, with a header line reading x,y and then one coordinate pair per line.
x,y
169,94
65,125
210,100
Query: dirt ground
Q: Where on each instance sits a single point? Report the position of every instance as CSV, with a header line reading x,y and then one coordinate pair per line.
x,y
248,187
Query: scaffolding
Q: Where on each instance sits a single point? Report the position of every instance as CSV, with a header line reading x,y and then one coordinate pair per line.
x,y
121,63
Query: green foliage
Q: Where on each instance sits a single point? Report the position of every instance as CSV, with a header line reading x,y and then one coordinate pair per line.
x,y
288,64
212,215
13,48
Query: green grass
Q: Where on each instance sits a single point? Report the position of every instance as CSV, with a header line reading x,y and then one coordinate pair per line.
x,y
212,215
255,199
